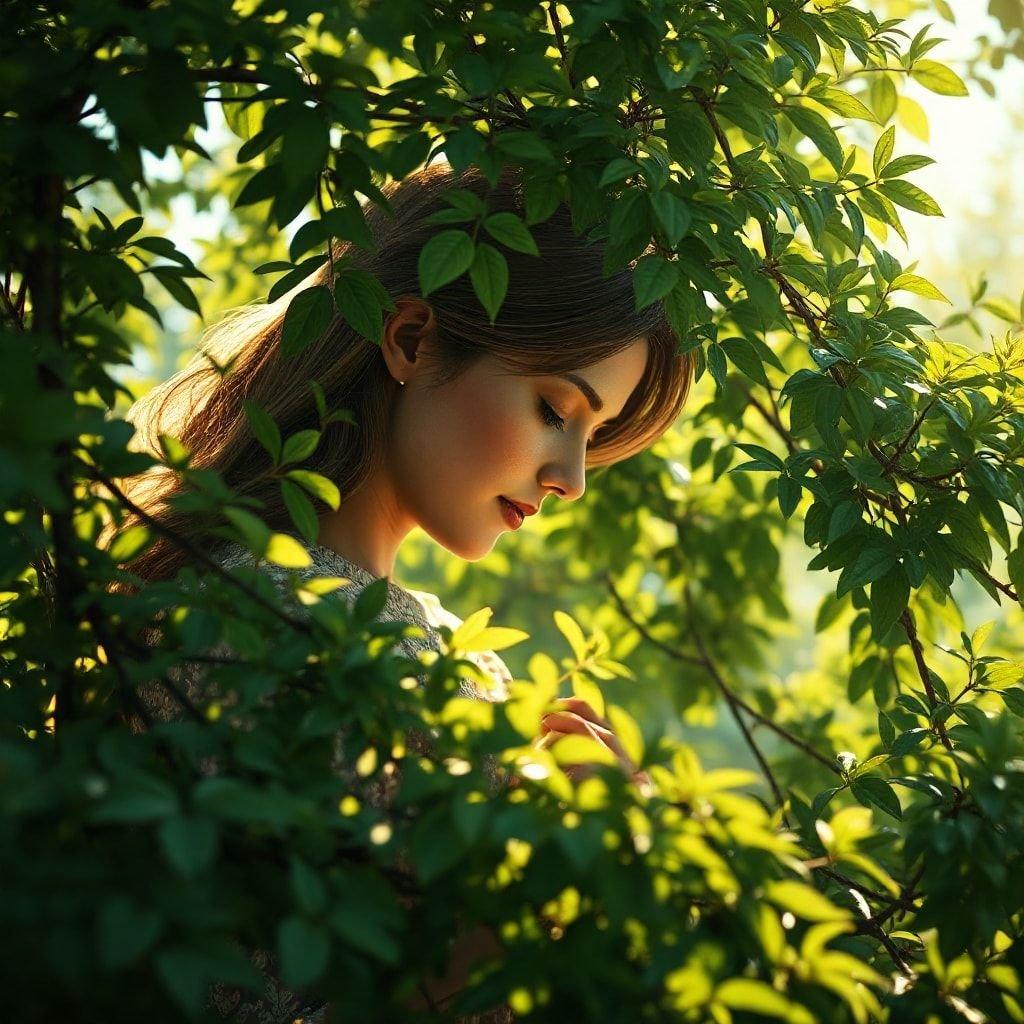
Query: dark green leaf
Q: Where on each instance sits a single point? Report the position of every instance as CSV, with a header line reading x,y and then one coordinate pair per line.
x,y
309,315
445,257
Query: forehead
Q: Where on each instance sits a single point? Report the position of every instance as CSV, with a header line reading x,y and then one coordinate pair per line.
x,y
612,379
615,377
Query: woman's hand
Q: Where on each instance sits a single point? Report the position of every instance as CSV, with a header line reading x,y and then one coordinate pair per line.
x,y
574,715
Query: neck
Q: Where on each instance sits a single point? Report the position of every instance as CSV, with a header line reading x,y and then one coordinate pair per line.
x,y
367,528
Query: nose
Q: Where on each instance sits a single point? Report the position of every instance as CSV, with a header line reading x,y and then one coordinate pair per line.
x,y
568,479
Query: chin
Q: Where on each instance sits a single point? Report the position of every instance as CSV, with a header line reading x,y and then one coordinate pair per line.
x,y
468,549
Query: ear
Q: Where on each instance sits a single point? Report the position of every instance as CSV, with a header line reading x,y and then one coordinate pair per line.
x,y
408,335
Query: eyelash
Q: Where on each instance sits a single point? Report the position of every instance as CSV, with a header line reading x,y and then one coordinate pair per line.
x,y
550,416
553,419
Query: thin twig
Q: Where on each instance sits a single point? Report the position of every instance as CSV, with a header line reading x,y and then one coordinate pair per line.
x,y
690,659
198,554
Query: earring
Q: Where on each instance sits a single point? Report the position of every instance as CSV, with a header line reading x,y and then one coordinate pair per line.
x,y
402,382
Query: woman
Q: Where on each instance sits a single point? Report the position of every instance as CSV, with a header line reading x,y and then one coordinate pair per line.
x,y
460,426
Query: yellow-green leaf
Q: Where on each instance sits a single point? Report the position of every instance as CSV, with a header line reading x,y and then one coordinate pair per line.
x,y
585,689
570,629
543,669
574,748
919,286
883,148
980,635
759,997
628,732
131,542
845,104
805,901
286,551
494,638
911,116
473,625
938,78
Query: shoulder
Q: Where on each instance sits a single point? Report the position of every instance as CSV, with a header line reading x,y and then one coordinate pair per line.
x,y
325,563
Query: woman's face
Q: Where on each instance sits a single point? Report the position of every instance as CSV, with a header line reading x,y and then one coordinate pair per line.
x,y
458,448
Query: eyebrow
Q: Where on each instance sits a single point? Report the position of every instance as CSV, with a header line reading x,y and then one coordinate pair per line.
x,y
589,393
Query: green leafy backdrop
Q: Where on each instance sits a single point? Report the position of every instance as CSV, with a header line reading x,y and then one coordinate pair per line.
x,y
848,848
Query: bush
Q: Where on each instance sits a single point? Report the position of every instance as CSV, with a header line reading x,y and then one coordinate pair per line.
x,y
696,142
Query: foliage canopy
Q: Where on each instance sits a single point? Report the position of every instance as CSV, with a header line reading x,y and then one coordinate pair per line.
x,y
744,157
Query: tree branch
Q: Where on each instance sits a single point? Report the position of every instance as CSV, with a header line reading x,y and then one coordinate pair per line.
x,y
698,662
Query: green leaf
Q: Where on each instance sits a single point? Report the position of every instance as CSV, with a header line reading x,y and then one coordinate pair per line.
x,y
305,144
845,516
919,286
716,364
523,145
126,931
938,78
889,597
819,131
1015,567
759,997
844,103
254,531
295,276
300,446
617,170
908,741
304,948
489,274
863,677
361,298
756,451
189,843
508,229
447,255
309,315
904,165
570,629
317,485
131,542
805,901
883,149
264,429
871,564
371,600
653,278
177,287
301,510
902,193
672,215
746,359
136,796
307,887
871,790
287,552
789,495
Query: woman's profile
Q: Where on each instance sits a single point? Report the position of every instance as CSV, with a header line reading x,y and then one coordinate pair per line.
x,y
457,425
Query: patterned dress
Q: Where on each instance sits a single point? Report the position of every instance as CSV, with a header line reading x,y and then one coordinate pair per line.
x,y
277,1004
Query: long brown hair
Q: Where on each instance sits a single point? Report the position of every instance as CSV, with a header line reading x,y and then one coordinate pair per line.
x,y
560,313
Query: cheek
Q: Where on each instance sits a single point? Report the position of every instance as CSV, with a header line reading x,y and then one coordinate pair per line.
x,y
496,438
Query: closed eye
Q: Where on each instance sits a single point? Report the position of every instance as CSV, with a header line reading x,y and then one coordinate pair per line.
x,y
552,418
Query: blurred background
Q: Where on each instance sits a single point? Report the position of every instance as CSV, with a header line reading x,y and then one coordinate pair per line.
x,y
974,254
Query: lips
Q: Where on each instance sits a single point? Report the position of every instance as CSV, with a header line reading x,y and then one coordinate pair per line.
x,y
511,513
527,510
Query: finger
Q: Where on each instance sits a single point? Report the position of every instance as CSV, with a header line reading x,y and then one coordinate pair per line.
x,y
582,708
566,721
